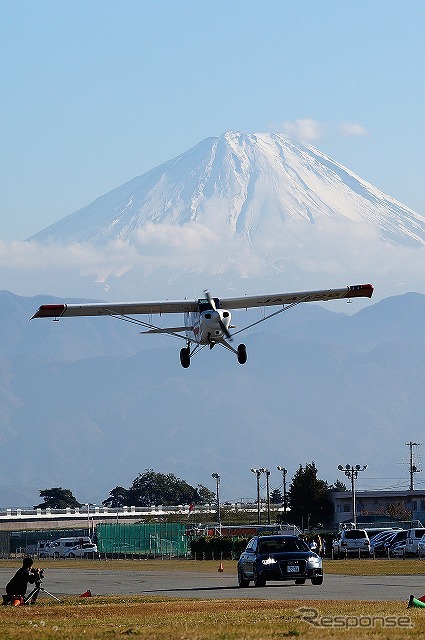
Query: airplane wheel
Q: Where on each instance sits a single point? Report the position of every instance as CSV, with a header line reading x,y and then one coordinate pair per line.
x,y
242,354
185,357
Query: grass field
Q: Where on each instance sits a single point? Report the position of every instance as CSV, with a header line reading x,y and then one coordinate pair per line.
x,y
165,619
154,618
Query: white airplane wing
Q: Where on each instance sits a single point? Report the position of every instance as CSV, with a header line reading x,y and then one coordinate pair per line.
x,y
180,306
115,308
245,302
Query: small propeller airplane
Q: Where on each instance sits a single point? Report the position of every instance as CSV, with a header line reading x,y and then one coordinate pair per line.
x,y
207,321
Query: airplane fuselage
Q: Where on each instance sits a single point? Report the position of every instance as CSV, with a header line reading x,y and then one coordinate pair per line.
x,y
207,325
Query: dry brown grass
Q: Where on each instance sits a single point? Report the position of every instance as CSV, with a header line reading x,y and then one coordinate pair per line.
x,y
102,618
155,618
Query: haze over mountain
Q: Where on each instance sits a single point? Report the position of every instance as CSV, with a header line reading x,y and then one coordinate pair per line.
x,y
88,403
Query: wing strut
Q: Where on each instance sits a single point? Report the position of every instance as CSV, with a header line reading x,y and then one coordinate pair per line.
x,y
289,306
147,325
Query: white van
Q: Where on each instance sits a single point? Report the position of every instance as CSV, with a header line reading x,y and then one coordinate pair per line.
x,y
38,549
412,540
59,547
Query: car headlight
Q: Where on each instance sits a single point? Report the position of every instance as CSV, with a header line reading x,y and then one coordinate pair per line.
x,y
268,561
314,561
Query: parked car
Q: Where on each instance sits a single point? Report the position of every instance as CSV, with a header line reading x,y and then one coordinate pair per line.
x,y
351,542
372,533
86,550
398,549
412,540
378,547
383,534
421,546
278,557
59,547
400,536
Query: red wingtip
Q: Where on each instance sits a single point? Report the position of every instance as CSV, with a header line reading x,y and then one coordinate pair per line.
x,y
50,311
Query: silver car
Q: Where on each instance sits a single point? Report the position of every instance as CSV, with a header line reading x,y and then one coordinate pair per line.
x,y
352,542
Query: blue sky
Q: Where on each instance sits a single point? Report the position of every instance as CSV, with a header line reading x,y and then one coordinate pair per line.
x,y
97,92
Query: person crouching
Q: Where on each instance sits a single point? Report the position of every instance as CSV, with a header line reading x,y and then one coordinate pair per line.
x,y
16,588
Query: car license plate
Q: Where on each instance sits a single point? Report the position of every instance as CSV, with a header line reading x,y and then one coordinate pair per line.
x,y
293,568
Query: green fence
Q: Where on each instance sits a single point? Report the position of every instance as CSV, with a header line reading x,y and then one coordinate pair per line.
x,y
151,539
4,544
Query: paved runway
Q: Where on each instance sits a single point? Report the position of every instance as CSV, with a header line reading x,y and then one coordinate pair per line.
x,y
184,584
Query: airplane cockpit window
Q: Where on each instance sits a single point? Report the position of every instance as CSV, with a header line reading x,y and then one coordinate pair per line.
x,y
204,305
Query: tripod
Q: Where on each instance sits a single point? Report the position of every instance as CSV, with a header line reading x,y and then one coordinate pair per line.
x,y
31,598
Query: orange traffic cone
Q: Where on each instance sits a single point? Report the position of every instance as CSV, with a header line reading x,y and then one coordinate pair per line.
x,y
220,568
86,594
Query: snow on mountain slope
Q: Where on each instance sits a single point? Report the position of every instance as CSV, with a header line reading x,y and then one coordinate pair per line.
x,y
239,185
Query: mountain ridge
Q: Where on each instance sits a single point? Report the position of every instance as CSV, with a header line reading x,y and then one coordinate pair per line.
x,y
97,410
240,185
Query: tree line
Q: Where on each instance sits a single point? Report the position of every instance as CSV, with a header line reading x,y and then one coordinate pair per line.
x,y
308,497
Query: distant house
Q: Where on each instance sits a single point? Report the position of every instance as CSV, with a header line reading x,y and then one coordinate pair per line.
x,y
373,506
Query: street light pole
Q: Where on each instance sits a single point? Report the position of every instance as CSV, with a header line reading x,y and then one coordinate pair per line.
x,y
87,504
217,479
352,472
267,473
284,472
258,473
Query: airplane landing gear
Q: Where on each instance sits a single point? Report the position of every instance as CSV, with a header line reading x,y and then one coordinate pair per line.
x,y
185,357
242,354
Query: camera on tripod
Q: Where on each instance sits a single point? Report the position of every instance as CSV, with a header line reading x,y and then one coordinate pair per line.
x,y
39,577
31,598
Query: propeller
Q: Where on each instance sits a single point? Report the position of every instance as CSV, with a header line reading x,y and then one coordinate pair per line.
x,y
223,327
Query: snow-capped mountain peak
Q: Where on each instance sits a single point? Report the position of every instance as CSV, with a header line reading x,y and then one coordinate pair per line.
x,y
239,184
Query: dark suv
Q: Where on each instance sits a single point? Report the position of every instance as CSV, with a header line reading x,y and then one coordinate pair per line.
x,y
278,558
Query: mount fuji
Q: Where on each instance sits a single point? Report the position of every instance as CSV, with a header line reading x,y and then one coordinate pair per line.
x,y
240,186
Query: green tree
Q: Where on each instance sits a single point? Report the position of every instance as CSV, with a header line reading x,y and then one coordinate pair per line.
x,y
57,498
205,496
276,496
338,486
118,497
151,488
309,497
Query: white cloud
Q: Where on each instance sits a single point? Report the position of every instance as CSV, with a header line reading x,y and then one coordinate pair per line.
x,y
351,129
305,129
170,261
309,130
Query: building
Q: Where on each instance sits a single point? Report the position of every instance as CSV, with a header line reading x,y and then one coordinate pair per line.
x,y
409,505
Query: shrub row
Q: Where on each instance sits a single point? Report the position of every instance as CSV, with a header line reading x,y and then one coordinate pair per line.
x,y
213,547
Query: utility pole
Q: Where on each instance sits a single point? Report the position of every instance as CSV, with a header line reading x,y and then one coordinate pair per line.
x,y
413,468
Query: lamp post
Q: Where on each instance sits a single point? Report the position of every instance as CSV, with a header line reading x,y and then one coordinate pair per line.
x,y
216,476
258,474
267,474
352,472
284,472
88,505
